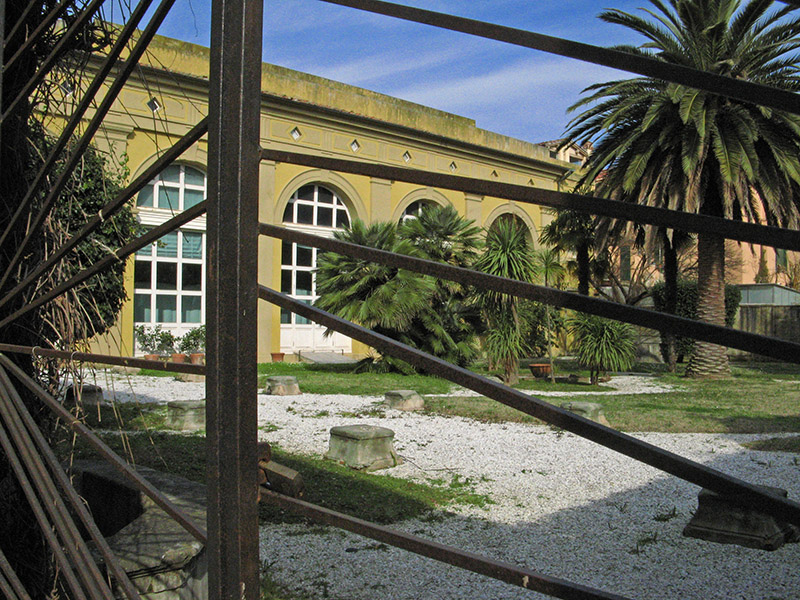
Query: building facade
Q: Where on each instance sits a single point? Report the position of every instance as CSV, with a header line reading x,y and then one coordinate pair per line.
x,y
301,113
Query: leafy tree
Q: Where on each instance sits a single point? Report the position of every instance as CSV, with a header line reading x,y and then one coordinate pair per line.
x,y
667,145
603,344
507,254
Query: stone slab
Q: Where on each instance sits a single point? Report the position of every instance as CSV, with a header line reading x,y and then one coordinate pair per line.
x,y
363,447
282,385
589,410
87,394
186,415
719,519
407,400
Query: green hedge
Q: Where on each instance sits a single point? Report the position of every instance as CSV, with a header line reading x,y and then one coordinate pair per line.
x,y
686,306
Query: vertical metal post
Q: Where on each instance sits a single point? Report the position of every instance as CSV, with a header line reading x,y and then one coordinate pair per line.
x,y
231,384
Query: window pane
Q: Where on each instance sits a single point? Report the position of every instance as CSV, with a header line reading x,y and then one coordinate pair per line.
x,y
303,283
300,320
166,276
192,278
194,176
288,213
167,246
286,282
324,216
306,192
166,309
145,197
286,253
286,317
168,198
192,198
324,196
192,245
305,256
171,173
190,309
305,214
141,308
342,219
141,274
146,251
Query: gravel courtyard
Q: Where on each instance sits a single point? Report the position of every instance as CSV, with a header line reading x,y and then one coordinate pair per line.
x,y
562,506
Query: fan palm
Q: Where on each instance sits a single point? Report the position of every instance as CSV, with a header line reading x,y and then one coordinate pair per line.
x,y
572,231
667,145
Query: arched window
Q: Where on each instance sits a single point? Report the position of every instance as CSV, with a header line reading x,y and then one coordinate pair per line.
x,y
176,188
169,274
317,208
414,209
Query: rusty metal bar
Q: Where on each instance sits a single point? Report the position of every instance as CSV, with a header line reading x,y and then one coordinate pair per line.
x,y
736,230
33,37
616,59
750,342
25,421
105,359
48,63
112,207
231,318
107,453
96,586
669,462
139,243
11,585
36,506
77,152
496,569
74,121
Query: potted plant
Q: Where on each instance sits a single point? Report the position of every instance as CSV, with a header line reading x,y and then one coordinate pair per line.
x,y
149,339
193,343
166,342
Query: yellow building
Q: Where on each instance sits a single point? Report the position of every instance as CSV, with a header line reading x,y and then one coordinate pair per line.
x,y
300,113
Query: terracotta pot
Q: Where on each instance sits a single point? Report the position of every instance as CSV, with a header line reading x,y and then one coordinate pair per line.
x,y
277,356
540,369
178,358
197,358
152,357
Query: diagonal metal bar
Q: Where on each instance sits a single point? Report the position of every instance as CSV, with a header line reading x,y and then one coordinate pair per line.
x,y
470,561
105,359
75,120
48,63
744,493
46,527
750,342
34,36
148,238
107,453
11,586
234,110
608,57
744,232
111,208
77,152
25,421
87,569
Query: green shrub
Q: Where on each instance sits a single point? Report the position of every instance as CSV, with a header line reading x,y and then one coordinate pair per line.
x,y
603,344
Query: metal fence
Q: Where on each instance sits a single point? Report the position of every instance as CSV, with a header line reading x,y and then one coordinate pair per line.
x,y
233,294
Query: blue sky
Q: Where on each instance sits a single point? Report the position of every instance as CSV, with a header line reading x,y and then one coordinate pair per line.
x,y
514,91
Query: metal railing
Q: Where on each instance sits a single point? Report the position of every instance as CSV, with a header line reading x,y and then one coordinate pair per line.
x,y
233,293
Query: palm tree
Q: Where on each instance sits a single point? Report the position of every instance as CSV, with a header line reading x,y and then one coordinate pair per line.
x,y
572,231
507,254
671,146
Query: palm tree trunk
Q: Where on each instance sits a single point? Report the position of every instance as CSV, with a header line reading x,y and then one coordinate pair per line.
x,y
671,292
582,258
710,360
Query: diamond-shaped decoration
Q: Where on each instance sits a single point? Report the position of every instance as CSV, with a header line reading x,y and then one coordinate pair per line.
x,y
296,134
355,146
406,156
153,104
453,167
494,174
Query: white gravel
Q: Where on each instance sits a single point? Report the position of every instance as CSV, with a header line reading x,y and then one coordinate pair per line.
x,y
563,506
